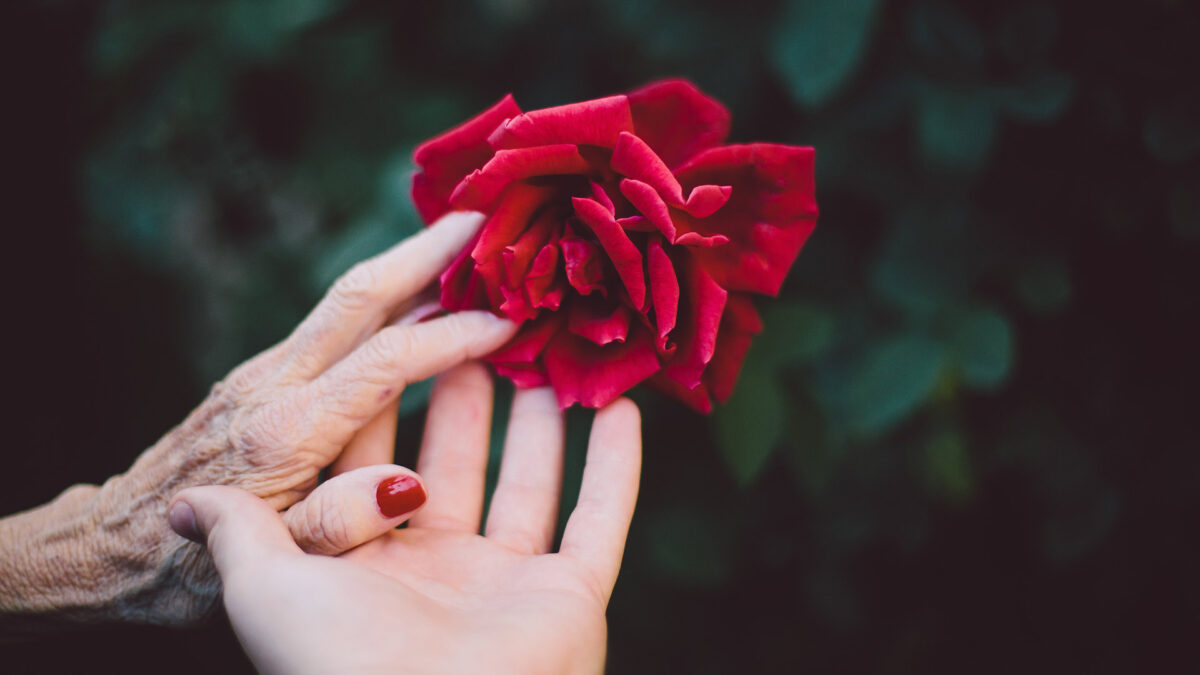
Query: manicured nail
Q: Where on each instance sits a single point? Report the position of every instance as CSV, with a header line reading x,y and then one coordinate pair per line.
x,y
399,495
183,521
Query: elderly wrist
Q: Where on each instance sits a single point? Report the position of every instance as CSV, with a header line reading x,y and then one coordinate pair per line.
x,y
101,554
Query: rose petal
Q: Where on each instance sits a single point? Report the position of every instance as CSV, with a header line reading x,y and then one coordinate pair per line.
x,y
552,300
510,218
696,334
516,305
621,251
518,256
595,122
770,214
530,341
664,291
647,201
697,398
523,376
677,120
705,200
599,320
741,315
695,239
636,224
585,267
491,276
678,229
582,372
738,327
480,189
539,282
634,159
446,159
600,195
460,287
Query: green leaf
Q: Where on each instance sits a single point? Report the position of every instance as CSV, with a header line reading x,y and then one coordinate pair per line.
x,y
261,27
896,377
794,333
809,453
942,35
983,345
1044,285
1042,98
689,547
818,44
948,465
1172,133
955,129
1026,32
750,425
927,260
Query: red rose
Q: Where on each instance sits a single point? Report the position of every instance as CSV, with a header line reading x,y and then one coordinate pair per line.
x,y
623,235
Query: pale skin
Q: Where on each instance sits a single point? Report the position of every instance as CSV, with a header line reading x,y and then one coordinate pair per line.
x,y
326,396
316,579
438,597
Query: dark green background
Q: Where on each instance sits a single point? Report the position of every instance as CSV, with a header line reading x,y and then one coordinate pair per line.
x,y
965,440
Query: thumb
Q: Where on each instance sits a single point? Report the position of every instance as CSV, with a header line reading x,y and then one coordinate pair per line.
x,y
238,528
355,507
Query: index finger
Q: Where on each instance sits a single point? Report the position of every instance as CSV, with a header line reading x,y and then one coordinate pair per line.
x,y
596,531
364,298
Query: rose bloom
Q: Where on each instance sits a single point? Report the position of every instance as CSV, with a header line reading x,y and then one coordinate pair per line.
x,y
622,235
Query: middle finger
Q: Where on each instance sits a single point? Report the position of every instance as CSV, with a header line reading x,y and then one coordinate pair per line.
x,y
454,450
363,299
525,505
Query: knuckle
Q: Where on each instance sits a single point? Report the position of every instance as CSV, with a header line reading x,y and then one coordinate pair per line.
x,y
357,289
523,541
392,347
265,428
325,529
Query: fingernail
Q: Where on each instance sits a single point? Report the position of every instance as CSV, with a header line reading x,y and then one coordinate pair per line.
x,y
494,318
399,495
425,312
183,521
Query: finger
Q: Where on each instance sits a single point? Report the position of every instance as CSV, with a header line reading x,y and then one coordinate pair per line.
x,y
454,450
374,444
354,508
355,390
596,531
524,508
363,298
240,530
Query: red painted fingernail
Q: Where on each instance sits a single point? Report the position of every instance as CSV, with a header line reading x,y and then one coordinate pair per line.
x,y
399,495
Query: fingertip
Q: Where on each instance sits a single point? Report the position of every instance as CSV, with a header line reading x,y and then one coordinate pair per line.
x,y
622,411
486,317
183,520
355,507
468,221
400,495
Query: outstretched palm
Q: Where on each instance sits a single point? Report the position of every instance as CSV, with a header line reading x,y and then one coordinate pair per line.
x,y
438,596
506,583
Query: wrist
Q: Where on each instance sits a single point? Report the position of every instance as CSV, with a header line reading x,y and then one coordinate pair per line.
x,y
102,554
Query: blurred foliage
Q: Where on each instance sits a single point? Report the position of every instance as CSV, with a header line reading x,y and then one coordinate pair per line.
x,y
952,444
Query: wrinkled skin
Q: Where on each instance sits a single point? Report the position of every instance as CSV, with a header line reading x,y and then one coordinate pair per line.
x,y
328,392
439,596
622,235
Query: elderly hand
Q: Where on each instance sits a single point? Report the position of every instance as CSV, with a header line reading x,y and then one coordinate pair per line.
x,y
437,596
328,392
